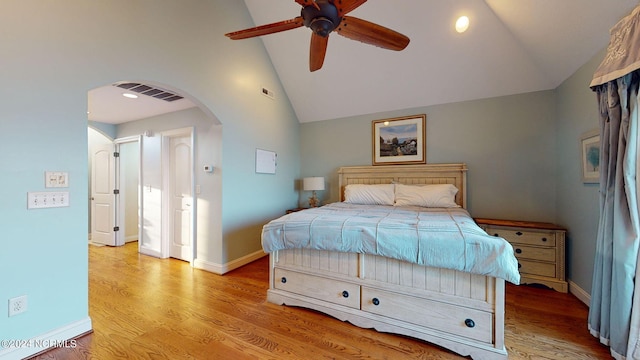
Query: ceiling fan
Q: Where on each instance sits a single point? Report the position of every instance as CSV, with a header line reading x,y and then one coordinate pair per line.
x,y
324,17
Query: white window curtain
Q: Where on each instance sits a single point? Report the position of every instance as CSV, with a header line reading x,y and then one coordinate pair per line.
x,y
614,311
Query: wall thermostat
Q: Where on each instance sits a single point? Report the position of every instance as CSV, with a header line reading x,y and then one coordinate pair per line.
x,y
208,168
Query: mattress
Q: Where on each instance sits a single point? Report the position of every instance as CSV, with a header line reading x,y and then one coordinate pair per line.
x,y
438,237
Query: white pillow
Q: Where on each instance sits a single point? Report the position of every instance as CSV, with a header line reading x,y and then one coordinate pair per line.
x,y
365,194
436,195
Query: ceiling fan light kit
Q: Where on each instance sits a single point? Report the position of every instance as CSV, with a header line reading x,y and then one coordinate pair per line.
x,y
321,20
324,17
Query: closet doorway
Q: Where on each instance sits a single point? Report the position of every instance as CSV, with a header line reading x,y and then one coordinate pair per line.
x,y
129,182
168,210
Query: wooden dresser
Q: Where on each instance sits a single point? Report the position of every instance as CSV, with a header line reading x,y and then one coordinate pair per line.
x,y
539,248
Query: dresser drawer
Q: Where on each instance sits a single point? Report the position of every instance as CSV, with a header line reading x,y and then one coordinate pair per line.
x,y
537,268
466,322
318,287
525,236
535,253
538,246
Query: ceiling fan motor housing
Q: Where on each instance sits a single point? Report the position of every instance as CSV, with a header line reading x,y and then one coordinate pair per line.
x,y
322,21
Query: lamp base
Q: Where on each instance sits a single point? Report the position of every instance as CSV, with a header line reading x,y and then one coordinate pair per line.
x,y
313,200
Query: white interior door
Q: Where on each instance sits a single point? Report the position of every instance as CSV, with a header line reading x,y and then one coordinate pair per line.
x,y
102,197
180,197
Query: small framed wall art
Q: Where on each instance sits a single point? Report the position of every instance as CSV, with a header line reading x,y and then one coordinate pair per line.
x,y
590,150
400,140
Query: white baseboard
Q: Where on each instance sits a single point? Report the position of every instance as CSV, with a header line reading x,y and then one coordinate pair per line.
x,y
221,269
578,292
60,337
151,252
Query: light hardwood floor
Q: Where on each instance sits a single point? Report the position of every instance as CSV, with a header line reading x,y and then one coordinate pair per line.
x,y
147,308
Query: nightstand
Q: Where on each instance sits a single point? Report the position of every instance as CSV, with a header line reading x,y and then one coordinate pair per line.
x,y
539,248
289,211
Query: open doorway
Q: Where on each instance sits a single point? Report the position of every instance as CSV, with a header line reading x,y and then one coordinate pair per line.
x,y
129,183
167,206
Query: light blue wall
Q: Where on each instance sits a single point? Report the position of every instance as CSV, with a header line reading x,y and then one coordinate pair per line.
x,y
44,252
508,144
103,128
53,53
578,207
523,154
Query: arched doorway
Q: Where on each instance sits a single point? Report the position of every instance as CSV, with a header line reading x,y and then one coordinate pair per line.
x,y
157,132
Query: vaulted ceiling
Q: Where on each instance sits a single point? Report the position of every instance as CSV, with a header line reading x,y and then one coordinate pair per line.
x,y
511,46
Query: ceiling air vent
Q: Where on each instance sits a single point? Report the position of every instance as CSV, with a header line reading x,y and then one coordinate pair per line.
x,y
150,91
268,93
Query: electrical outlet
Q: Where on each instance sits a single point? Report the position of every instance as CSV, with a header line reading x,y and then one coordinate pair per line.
x,y
17,305
56,179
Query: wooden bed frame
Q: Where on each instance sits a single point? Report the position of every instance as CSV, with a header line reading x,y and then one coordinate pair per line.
x,y
459,311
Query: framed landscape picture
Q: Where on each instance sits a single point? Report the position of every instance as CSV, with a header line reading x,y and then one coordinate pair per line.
x,y
399,140
590,149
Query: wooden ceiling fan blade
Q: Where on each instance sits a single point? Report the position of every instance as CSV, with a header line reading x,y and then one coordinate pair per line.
x,y
308,2
266,29
372,34
318,51
347,6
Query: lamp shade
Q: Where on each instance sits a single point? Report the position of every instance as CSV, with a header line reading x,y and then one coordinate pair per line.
x,y
313,183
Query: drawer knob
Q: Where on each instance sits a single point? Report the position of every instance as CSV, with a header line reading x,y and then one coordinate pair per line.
x,y
518,251
519,233
496,235
544,239
375,301
345,294
470,323
283,280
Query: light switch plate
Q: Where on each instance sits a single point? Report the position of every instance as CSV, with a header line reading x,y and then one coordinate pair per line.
x,y
47,199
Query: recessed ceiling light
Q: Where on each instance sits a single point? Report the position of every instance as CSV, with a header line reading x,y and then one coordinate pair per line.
x,y
462,24
130,96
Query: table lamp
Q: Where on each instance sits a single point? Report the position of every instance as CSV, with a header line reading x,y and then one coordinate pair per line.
x,y
313,184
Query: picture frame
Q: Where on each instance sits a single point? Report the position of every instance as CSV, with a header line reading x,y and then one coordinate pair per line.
x,y
400,140
590,156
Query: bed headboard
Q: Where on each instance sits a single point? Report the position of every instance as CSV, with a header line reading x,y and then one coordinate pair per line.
x,y
455,174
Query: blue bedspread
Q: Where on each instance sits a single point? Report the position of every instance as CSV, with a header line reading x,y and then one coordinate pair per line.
x,y
443,237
